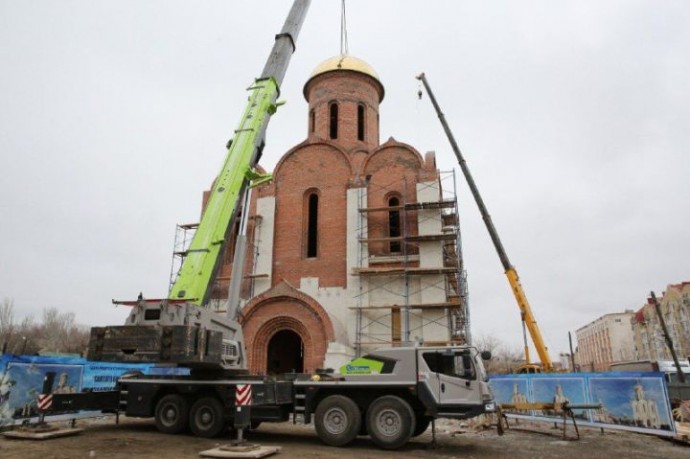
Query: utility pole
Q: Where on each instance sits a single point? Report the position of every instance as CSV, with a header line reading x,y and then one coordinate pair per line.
x,y
669,343
572,354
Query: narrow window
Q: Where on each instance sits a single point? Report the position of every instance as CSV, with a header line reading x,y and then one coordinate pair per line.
x,y
312,224
360,122
312,121
394,224
334,121
395,326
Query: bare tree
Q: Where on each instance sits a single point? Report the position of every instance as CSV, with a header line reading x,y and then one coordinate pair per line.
x,y
503,358
28,337
57,332
7,327
61,334
487,343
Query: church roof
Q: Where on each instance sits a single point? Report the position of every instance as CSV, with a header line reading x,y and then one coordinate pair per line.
x,y
346,62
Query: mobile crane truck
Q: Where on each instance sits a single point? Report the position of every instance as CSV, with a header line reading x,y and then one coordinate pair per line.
x,y
390,394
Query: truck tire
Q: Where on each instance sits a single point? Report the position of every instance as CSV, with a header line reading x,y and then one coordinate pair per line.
x,y
421,424
172,414
206,417
390,422
337,420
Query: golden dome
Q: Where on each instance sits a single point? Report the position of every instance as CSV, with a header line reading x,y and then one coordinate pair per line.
x,y
346,62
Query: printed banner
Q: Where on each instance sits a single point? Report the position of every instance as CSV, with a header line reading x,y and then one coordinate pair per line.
x,y
21,381
629,400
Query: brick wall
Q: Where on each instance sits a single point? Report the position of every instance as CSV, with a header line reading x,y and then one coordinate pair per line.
x,y
326,171
348,90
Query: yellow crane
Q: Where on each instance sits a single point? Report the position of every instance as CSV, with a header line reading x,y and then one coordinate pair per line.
x,y
528,319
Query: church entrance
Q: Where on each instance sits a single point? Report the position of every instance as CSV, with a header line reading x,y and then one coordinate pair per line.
x,y
285,353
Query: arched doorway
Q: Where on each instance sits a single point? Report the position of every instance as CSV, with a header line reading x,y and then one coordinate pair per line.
x,y
285,353
280,309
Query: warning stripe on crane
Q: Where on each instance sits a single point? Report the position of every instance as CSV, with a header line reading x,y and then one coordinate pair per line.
x,y
243,395
45,401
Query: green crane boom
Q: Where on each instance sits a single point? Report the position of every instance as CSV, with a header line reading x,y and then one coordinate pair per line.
x,y
193,284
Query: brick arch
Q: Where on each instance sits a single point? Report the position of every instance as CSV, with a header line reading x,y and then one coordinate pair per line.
x,y
258,357
397,152
340,152
285,308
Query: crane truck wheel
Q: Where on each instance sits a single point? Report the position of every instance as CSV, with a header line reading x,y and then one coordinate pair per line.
x,y
172,412
390,422
337,420
206,417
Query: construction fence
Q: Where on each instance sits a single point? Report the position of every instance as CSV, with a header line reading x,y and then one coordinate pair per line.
x,y
21,381
628,400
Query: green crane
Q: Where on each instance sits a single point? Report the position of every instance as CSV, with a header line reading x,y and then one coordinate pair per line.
x,y
180,329
198,270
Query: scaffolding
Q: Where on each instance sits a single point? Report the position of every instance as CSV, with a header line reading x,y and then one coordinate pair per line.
x,y
184,233
412,280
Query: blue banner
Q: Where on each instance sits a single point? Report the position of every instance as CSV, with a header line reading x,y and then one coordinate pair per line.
x,y
21,381
629,401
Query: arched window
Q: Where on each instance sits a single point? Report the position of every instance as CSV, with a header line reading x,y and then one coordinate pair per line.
x,y
394,224
360,121
312,224
333,120
312,121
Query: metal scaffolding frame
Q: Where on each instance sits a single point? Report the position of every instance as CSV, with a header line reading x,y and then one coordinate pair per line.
x,y
183,237
376,323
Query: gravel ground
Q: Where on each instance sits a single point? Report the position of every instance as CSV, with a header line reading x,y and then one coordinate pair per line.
x,y
133,438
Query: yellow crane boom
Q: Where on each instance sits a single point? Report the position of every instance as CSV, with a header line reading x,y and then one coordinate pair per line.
x,y
513,279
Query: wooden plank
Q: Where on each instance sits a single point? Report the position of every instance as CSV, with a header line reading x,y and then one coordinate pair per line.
x,y
249,451
402,270
412,306
412,206
32,434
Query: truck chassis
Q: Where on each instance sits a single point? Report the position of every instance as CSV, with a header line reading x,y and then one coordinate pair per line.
x,y
391,407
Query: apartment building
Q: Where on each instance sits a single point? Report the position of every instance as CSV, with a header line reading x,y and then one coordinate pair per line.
x,y
650,343
604,341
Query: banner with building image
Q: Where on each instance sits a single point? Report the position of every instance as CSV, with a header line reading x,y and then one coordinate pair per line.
x,y
629,401
21,381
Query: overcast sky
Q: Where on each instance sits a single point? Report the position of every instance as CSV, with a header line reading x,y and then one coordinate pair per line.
x,y
574,118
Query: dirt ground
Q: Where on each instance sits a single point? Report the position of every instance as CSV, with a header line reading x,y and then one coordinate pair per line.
x,y
102,438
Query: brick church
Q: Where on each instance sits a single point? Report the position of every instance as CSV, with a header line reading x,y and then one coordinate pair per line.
x,y
354,244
